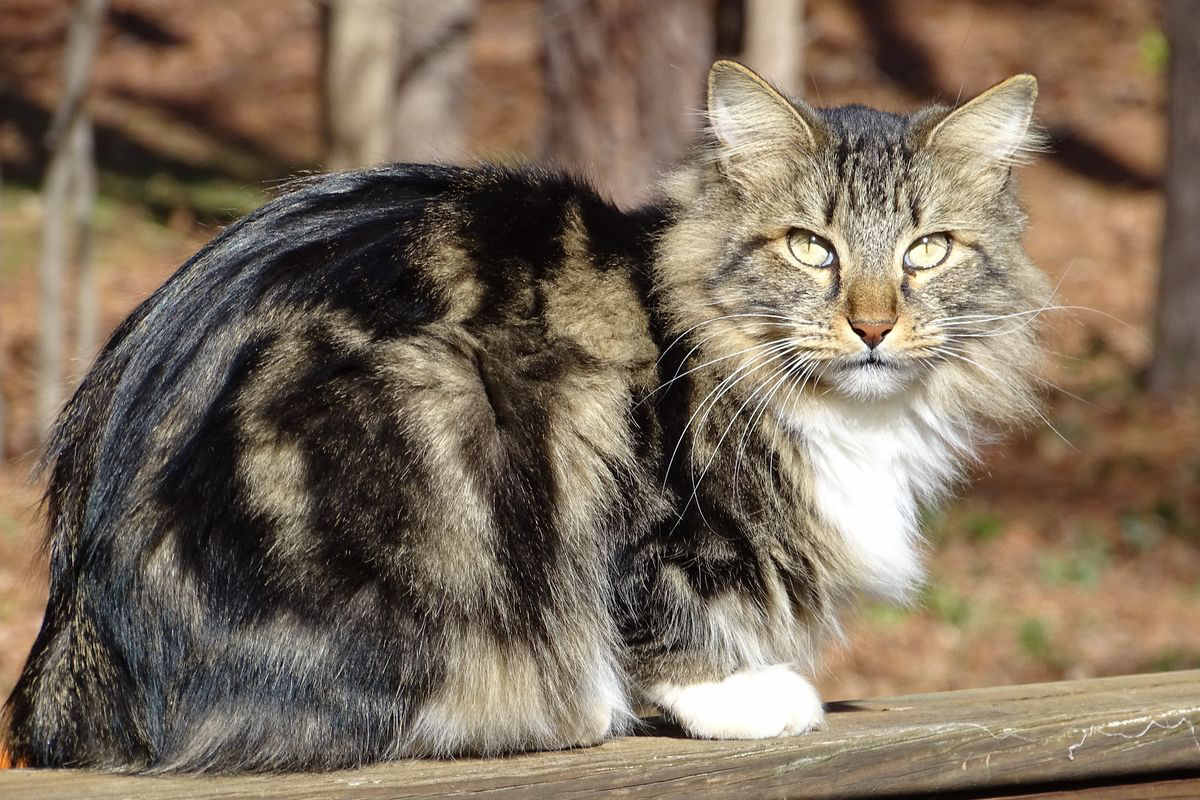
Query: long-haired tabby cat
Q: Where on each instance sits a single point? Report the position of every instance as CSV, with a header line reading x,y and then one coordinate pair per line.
x,y
432,461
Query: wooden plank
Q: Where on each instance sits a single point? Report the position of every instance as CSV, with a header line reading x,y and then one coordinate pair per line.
x,y
978,741
1178,789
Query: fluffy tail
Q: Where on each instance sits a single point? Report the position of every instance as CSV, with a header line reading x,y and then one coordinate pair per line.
x,y
7,761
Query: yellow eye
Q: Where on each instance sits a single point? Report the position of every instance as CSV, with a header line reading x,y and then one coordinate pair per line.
x,y
810,249
928,251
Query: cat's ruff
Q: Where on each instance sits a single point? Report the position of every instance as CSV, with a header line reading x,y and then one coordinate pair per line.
x,y
874,466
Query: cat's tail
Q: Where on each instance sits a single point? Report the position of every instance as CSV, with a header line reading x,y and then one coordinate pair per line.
x,y
7,759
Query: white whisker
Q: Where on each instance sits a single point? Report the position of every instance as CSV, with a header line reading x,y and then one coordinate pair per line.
x,y
987,371
1028,372
679,376
732,420
774,350
797,366
779,317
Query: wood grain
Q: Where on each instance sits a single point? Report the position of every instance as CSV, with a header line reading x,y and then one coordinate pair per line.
x,y
1179,789
982,741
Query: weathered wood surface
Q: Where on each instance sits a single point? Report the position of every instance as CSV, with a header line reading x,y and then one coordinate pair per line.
x,y
987,742
1178,789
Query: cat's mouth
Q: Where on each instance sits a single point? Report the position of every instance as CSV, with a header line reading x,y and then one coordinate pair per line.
x,y
872,375
872,361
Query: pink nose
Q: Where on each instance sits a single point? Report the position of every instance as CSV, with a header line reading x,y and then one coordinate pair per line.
x,y
871,331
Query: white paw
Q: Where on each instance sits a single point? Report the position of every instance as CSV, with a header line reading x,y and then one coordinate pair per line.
x,y
753,704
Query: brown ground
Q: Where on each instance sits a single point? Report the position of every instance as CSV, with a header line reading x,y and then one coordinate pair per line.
x,y
1061,560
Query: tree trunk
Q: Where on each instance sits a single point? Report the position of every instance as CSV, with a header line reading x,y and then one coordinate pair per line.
x,y
51,274
624,84
775,42
64,137
1176,363
429,116
359,43
83,189
3,362
394,74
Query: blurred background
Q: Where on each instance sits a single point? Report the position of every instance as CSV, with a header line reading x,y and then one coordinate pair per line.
x,y
132,130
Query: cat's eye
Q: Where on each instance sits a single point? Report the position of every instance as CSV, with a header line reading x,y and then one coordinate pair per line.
x,y
810,249
928,251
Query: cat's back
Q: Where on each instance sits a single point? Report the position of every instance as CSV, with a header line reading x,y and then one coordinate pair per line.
x,y
382,277
393,411
405,326
405,245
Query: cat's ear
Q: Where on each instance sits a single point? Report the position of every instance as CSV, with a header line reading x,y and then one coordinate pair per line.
x,y
996,127
752,121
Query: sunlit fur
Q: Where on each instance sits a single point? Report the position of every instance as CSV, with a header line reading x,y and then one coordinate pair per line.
x,y
425,461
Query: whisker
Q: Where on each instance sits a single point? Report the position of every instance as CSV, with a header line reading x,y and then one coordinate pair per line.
x,y
805,373
732,421
678,376
987,371
695,485
757,315
1028,372
798,365
702,323
772,350
1045,306
979,319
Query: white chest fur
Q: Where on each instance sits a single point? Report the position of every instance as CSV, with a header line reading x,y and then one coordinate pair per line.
x,y
873,465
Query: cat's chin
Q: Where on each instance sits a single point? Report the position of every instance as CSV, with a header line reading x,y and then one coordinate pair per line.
x,y
871,380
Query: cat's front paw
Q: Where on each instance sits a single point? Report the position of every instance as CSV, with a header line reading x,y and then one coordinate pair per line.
x,y
752,704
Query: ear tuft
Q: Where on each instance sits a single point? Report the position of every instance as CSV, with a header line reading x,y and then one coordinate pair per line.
x,y
748,115
996,126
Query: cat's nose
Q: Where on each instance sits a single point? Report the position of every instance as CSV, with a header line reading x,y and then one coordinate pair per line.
x,y
871,331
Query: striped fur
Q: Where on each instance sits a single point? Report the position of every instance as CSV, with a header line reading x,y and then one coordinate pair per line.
x,y
428,461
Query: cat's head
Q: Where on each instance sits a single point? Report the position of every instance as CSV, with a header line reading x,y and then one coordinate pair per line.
x,y
872,251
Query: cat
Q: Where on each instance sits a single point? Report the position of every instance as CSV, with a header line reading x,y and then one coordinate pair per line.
x,y
437,461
